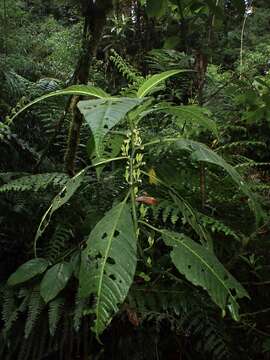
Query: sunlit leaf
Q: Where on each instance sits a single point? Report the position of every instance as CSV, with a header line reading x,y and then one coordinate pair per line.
x,y
152,82
83,90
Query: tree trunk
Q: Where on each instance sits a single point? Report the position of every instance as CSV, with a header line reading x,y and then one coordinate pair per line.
x,y
95,14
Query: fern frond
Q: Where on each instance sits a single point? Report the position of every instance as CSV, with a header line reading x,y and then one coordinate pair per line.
x,y
58,242
125,69
226,128
14,85
164,209
55,312
11,307
188,311
158,300
161,60
210,334
242,145
177,209
252,164
35,307
217,226
35,182
79,308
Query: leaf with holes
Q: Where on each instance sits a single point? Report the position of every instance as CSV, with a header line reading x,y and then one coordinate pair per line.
x,y
111,148
102,115
28,270
202,268
109,263
65,194
201,152
55,280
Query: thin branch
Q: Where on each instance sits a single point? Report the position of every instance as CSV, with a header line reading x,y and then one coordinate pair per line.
x,y
256,312
242,42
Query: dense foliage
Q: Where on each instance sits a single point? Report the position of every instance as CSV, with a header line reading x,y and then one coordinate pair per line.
x,y
134,179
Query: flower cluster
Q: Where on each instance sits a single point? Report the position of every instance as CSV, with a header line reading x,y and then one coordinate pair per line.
x,y
135,162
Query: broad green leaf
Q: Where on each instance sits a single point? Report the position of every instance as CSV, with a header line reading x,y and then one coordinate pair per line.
x,y
202,268
191,216
156,8
193,114
28,270
201,152
83,90
65,194
137,114
149,84
103,115
55,280
109,263
112,148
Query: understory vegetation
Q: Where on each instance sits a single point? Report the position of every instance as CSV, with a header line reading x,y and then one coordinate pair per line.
x,y
135,179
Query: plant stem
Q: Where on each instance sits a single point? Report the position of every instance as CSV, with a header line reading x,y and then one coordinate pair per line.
x,y
242,43
160,141
150,226
132,186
